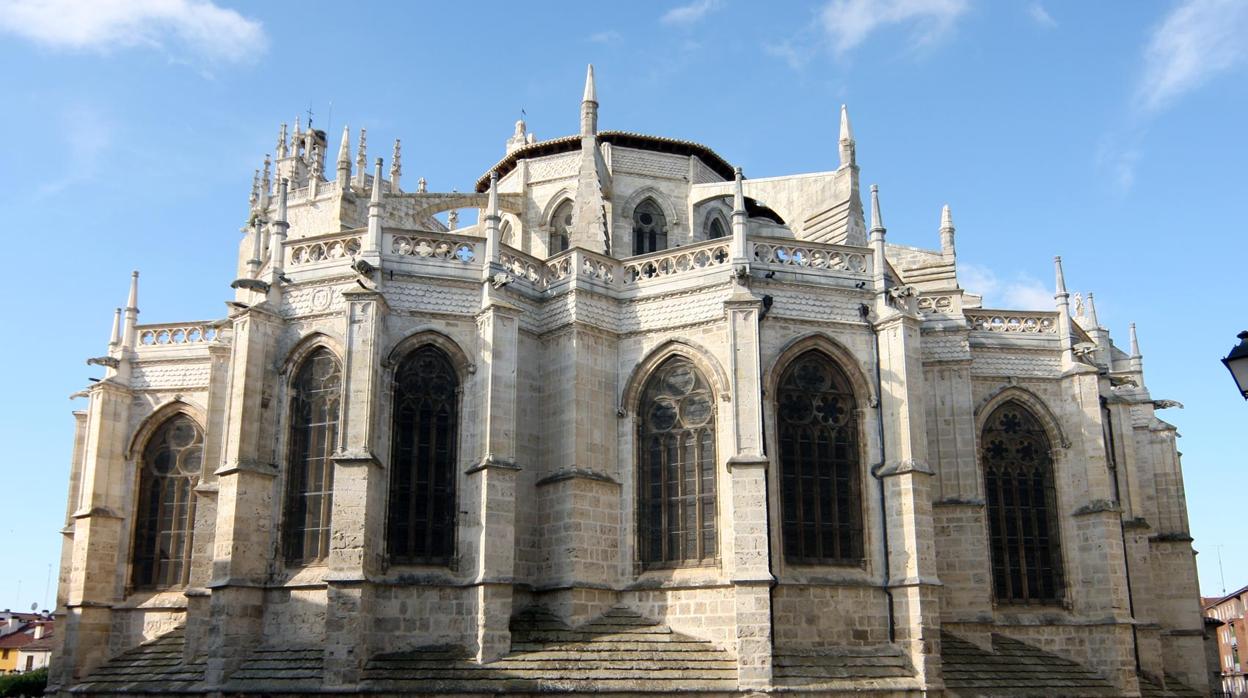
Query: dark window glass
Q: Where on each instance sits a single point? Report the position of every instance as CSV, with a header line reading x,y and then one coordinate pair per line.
x,y
421,524
649,228
820,500
676,483
560,224
715,229
314,407
1022,506
171,465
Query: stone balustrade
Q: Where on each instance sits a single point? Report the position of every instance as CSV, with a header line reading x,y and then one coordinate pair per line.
x,y
940,303
323,248
811,255
1013,321
681,260
461,249
173,334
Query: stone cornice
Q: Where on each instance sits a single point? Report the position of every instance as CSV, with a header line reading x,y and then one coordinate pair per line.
x,y
493,463
247,466
902,467
575,473
748,461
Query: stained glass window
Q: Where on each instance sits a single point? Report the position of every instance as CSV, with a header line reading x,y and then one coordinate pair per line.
x,y
170,468
314,414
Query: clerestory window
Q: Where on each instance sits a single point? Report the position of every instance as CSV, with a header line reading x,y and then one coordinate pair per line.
x,y
421,522
1022,507
169,469
314,414
676,473
820,466
715,228
560,227
649,228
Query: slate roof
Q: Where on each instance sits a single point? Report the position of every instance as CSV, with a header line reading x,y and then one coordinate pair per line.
x,y
1014,670
153,667
852,669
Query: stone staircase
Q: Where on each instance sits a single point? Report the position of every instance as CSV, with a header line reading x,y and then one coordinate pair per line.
x,y
618,652
152,667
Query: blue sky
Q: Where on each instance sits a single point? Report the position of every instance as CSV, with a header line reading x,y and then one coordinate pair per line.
x,y
1109,133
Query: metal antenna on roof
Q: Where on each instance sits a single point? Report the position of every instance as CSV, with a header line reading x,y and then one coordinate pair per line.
x,y
1220,574
309,115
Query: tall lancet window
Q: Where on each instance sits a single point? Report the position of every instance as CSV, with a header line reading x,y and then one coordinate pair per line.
x,y
820,463
314,413
170,468
715,228
1022,507
560,224
649,228
676,478
421,524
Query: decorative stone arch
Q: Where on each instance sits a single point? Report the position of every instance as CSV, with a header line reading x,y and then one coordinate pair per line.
x,y
676,346
154,420
708,214
464,367
750,204
1034,404
660,199
548,211
429,205
305,346
840,355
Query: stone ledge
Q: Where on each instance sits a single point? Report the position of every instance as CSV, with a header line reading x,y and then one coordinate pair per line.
x,y
1097,506
492,462
247,466
575,473
902,467
959,502
748,462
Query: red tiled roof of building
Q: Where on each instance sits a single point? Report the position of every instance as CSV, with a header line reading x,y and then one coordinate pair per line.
x,y
18,640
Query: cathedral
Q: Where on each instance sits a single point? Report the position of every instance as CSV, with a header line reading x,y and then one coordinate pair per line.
x,y
646,427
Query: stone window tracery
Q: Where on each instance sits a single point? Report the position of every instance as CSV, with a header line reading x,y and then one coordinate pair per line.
x,y
1022,507
649,228
168,472
560,225
820,468
420,528
314,415
676,473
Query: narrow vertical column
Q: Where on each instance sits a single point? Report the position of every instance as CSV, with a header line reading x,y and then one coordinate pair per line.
x,y
740,250
491,484
747,466
359,505
372,240
243,543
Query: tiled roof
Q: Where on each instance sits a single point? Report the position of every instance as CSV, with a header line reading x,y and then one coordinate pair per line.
x,y
153,667
1014,670
18,639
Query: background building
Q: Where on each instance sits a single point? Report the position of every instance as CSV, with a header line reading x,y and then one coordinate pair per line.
x,y
645,426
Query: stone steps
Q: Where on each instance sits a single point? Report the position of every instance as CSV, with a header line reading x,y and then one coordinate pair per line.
x,y
1014,669
839,665
152,667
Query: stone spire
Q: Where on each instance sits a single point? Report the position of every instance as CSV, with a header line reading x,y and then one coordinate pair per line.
x,y
946,232
266,182
253,199
344,158
114,338
277,239
878,231
396,168
1062,301
361,156
739,216
1091,313
132,313
589,105
373,244
1135,344
281,142
492,220
848,154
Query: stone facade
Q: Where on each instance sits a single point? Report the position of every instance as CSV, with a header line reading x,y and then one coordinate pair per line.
x,y
551,351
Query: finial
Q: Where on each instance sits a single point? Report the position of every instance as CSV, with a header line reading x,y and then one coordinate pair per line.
x,y
254,197
281,142
266,181
847,148
738,193
1091,312
376,196
132,301
491,206
1061,278
283,187
114,338
361,157
318,166
877,221
946,231
344,157
1135,343
396,167
452,220
591,93
422,185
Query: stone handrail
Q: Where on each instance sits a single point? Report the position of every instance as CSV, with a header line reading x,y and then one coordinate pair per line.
x,y
939,303
592,265
523,266
174,333
676,261
813,255
321,248
1013,321
441,246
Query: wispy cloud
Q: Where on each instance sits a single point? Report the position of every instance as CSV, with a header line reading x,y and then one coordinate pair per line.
x,y
1117,158
87,135
848,23
1019,292
1194,42
605,37
1041,16
690,13
199,27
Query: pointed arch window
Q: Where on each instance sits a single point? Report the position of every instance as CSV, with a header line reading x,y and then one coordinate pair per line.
x,y
505,234
676,479
560,225
314,414
649,228
820,463
420,528
715,228
1022,507
170,468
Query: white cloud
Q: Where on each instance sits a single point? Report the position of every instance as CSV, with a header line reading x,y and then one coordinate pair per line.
x,y
1019,292
1041,16
1194,42
690,13
1117,159
605,37
848,23
198,26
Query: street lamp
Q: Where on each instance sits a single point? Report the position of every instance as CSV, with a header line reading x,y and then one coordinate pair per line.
x,y
1237,363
